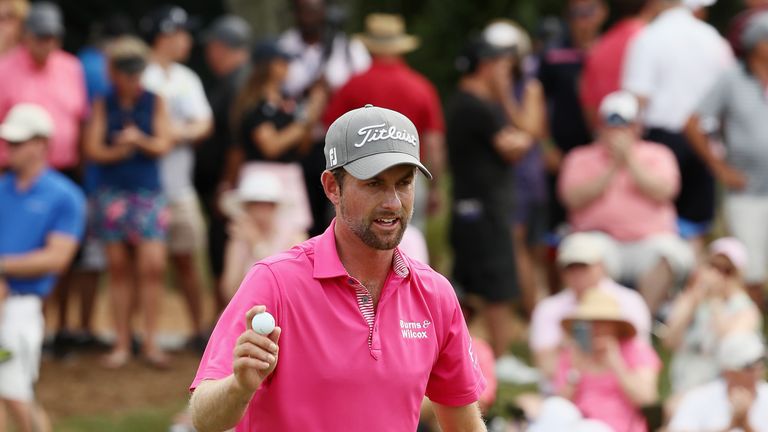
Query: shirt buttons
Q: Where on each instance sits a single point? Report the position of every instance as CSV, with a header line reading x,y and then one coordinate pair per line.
x,y
366,299
351,281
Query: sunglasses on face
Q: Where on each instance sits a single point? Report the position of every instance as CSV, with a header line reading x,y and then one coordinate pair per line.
x,y
723,269
15,144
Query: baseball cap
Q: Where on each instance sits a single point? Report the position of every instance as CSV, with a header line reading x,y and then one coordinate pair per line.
x,y
732,249
44,19
507,33
581,248
25,121
739,350
478,49
619,108
128,54
231,30
165,19
268,50
369,140
755,31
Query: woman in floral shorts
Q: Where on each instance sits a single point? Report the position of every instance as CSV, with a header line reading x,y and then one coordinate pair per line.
x,y
128,131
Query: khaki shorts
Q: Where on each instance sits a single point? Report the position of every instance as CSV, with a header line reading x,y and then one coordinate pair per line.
x,y
21,332
186,230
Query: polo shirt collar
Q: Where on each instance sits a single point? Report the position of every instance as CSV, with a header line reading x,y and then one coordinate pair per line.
x,y
328,265
33,185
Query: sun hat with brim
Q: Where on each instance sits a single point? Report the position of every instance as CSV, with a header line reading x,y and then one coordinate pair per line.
x,y
385,34
731,248
369,140
24,122
256,187
599,306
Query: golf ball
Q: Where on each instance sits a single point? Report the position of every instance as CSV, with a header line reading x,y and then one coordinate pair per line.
x,y
263,323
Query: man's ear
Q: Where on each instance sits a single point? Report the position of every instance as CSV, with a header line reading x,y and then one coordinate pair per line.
x,y
331,187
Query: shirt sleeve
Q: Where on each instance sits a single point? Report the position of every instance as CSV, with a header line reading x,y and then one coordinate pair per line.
x,y
661,161
196,103
638,72
588,87
639,354
573,172
456,378
258,288
435,122
714,102
687,414
338,105
70,215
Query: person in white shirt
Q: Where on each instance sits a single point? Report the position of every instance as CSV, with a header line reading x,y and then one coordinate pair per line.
x,y
670,65
738,400
167,31
580,258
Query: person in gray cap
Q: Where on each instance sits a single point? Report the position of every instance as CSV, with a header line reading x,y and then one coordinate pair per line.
x,y
737,100
356,318
227,43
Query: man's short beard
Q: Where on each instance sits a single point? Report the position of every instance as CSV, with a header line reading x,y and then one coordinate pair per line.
x,y
363,231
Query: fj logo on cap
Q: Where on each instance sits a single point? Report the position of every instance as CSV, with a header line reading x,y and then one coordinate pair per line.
x,y
332,156
380,132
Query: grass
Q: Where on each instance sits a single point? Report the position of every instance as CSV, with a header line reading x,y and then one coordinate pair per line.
x,y
156,419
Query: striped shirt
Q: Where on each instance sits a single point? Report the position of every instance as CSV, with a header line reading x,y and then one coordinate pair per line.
x,y
365,299
740,101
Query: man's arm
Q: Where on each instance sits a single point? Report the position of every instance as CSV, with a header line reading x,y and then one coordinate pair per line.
x,y
649,182
731,177
465,418
580,196
53,258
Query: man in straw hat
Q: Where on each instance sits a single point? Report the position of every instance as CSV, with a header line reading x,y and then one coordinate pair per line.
x,y
390,83
738,400
364,331
607,372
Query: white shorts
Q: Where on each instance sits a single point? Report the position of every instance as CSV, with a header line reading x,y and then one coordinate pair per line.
x,y
627,261
186,230
746,218
21,331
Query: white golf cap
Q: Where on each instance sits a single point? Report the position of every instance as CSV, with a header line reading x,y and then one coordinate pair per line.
x,y
260,187
369,140
739,350
619,108
26,121
581,248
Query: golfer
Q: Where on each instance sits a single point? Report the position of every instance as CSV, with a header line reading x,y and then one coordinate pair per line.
x,y
363,331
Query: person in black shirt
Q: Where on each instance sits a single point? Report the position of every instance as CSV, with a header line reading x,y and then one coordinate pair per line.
x,y
481,147
227,43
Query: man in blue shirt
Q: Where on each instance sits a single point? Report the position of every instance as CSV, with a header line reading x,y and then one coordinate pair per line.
x,y
42,216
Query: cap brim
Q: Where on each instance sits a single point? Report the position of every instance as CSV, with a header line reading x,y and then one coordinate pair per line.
x,y
626,329
401,45
370,166
11,133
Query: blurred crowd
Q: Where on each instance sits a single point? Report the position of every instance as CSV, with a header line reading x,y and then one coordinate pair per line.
x,y
583,168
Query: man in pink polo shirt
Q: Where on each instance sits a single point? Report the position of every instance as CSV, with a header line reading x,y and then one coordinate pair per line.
x,y
624,188
364,332
38,71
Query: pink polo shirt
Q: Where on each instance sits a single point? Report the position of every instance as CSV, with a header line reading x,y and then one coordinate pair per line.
x,y
343,366
623,211
59,87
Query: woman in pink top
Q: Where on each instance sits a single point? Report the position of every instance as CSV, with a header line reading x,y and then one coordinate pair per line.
x,y
606,371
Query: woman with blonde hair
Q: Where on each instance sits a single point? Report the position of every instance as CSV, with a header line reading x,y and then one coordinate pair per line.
x,y
12,16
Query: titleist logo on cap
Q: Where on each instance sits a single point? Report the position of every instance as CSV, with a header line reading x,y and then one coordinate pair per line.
x,y
379,132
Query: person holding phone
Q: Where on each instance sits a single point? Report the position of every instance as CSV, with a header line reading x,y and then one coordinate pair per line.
x,y
604,370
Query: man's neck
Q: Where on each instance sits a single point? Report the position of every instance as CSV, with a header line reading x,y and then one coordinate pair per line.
x,y
27,176
476,87
310,38
366,264
161,60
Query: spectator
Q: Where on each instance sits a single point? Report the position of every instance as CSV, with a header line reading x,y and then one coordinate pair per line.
x,y
390,83
254,211
580,258
737,100
607,372
604,63
624,188
273,133
481,149
525,109
33,73
128,132
557,414
669,66
227,44
737,24
42,217
713,306
321,54
90,262
560,69
738,400
12,16
166,29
